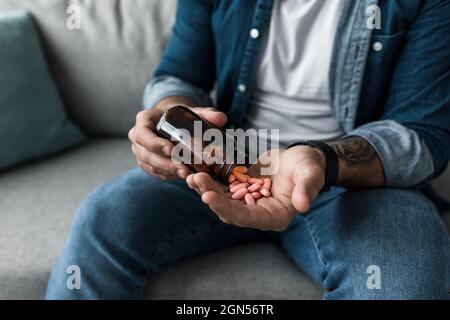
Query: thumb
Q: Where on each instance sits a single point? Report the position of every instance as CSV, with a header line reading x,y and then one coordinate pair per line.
x,y
212,115
301,200
305,191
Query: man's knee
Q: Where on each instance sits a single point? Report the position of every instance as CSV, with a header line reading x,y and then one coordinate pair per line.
x,y
393,245
422,277
390,215
124,207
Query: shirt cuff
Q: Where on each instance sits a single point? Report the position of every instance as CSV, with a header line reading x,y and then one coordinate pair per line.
x,y
166,86
406,159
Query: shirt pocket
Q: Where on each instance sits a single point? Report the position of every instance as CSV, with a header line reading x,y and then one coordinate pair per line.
x,y
385,48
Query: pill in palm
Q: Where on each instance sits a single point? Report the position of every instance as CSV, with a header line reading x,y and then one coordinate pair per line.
x,y
240,169
238,195
256,195
235,183
238,187
254,187
267,183
249,199
266,193
255,180
241,177
249,189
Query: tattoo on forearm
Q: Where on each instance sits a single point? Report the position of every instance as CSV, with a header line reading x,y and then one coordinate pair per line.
x,y
360,166
355,152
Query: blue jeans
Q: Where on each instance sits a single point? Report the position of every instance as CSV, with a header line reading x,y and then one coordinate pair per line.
x,y
136,224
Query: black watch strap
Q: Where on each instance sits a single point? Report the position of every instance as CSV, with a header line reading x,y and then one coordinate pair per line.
x,y
331,157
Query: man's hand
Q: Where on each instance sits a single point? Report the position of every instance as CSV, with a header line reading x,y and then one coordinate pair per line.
x,y
295,185
153,152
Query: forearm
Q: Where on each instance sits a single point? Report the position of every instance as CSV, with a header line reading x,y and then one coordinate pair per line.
x,y
359,165
169,102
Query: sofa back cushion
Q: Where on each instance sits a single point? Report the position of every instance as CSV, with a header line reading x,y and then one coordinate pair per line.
x,y
33,122
102,68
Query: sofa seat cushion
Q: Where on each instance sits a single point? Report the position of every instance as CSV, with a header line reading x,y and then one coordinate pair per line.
x,y
36,207
37,203
259,270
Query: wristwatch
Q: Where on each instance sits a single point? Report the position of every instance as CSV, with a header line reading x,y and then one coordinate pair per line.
x,y
332,161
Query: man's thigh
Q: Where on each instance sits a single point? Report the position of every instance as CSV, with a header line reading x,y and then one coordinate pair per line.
x,y
382,243
134,225
163,219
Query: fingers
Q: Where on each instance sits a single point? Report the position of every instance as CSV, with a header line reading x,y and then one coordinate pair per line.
x,y
153,152
213,200
158,165
143,133
229,211
222,206
206,183
212,115
151,171
233,211
239,214
202,182
213,194
190,181
145,137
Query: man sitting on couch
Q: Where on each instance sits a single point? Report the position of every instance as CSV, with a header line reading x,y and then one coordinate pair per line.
x,y
379,98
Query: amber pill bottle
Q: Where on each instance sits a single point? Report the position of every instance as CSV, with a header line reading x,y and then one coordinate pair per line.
x,y
174,124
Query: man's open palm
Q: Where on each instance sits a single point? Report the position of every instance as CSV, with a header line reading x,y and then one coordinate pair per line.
x,y
297,180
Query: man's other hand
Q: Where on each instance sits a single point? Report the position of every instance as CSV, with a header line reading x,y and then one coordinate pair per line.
x,y
153,153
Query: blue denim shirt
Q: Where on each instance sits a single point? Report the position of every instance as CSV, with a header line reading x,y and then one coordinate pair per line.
x,y
390,86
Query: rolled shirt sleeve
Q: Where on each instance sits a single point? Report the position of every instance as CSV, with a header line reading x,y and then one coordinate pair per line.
x,y
163,87
405,157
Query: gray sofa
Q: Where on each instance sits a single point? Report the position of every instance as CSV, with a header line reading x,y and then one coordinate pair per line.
x,y
101,71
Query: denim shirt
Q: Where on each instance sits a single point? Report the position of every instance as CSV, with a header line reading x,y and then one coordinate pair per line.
x,y
390,86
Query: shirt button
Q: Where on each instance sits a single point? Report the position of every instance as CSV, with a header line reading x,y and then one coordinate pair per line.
x,y
377,46
254,33
242,88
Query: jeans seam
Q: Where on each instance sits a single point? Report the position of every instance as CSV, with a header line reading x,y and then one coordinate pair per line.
x,y
316,246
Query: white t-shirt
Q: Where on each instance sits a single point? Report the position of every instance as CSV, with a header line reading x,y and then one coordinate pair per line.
x,y
291,90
